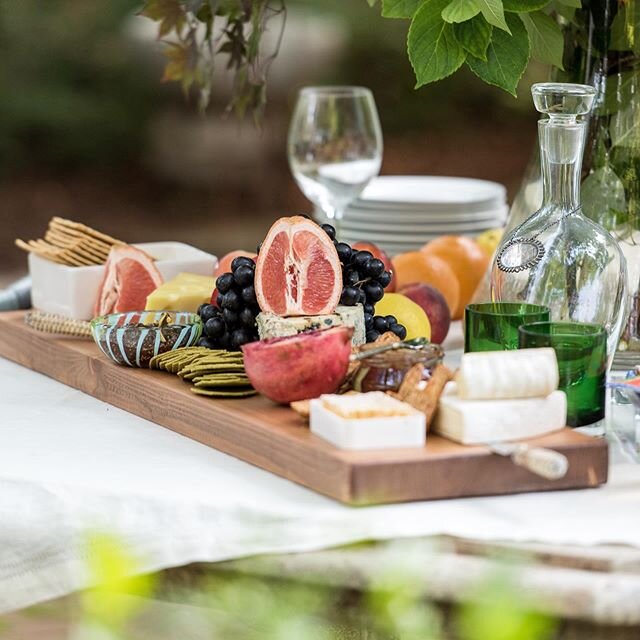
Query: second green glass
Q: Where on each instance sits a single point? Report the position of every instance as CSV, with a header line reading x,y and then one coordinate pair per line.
x,y
493,326
581,350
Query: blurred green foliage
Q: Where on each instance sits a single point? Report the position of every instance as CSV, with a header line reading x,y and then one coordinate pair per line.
x,y
243,607
71,93
377,57
78,91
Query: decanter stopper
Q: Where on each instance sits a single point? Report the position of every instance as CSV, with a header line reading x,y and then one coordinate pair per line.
x,y
563,102
562,133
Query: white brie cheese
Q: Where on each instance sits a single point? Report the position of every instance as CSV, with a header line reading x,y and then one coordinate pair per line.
x,y
483,421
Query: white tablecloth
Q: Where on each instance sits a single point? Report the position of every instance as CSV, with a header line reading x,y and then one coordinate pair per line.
x,y
70,463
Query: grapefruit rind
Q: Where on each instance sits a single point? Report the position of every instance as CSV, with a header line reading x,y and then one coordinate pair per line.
x,y
130,275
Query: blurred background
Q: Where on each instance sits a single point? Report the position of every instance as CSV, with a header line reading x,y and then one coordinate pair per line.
x,y
89,132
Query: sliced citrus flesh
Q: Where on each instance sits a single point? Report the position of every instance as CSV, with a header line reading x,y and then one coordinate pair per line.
x,y
298,270
130,275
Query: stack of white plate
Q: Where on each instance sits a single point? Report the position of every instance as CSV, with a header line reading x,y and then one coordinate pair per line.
x,y
402,213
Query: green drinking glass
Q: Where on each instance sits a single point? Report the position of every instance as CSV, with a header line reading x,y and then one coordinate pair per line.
x,y
581,350
493,326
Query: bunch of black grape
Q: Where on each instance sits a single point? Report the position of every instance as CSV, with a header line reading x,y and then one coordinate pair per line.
x,y
364,280
231,321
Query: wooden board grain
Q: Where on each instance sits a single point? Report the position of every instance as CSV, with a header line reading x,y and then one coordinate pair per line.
x,y
276,439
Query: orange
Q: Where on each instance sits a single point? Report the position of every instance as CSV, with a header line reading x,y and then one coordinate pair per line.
x,y
415,266
467,260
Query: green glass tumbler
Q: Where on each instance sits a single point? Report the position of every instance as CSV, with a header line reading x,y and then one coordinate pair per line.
x,y
581,350
493,326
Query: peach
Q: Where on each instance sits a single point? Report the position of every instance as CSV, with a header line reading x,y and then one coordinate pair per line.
x,y
434,305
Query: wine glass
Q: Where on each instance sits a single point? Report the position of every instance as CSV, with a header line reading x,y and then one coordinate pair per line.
x,y
334,145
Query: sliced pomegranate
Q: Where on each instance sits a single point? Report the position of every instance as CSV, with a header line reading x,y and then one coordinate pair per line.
x,y
298,270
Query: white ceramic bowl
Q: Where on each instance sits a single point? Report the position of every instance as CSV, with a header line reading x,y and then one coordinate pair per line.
x,y
72,291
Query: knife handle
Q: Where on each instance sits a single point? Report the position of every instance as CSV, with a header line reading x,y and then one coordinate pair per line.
x,y
546,463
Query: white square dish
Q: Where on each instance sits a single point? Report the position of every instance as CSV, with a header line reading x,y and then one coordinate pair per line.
x,y
72,291
362,434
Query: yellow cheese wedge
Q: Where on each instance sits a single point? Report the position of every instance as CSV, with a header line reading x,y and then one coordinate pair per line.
x,y
186,292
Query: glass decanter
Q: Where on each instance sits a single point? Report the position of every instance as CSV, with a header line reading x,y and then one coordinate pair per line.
x,y
557,257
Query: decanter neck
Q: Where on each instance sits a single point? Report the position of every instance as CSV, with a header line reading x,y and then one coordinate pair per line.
x,y
561,147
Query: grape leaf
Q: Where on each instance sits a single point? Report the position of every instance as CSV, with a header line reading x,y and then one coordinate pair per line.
x,y
400,8
474,35
433,49
521,6
493,13
169,13
507,56
545,36
460,11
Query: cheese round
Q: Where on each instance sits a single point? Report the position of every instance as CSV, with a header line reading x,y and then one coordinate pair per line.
x,y
493,375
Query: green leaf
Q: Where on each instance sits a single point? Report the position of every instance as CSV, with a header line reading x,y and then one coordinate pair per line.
x,y
521,6
619,91
625,29
545,36
576,4
568,13
493,13
625,125
371,3
400,8
170,14
602,196
433,49
460,10
507,57
474,35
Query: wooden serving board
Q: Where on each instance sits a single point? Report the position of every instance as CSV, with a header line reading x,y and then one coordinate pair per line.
x,y
276,439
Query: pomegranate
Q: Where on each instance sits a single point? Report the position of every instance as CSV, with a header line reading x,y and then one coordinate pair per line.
x,y
299,367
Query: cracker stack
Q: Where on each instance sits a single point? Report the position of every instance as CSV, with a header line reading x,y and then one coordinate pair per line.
x,y
212,372
72,244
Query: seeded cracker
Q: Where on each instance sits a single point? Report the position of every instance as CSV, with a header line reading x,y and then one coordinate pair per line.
x,y
214,373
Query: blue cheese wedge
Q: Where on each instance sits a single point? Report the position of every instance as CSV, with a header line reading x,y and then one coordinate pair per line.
x,y
271,325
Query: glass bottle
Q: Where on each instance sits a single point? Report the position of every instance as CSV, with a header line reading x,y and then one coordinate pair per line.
x,y
557,257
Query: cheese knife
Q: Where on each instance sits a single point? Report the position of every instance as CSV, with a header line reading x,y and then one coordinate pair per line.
x,y
545,463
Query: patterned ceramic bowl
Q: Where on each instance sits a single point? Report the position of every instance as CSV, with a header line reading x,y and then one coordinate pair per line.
x,y
133,338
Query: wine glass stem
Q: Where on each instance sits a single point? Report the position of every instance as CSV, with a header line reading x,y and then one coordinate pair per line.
x,y
338,212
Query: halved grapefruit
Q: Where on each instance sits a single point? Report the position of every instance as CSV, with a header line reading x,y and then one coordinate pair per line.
x,y
298,270
130,275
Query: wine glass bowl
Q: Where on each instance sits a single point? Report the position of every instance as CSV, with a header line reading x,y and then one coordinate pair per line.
x,y
334,145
